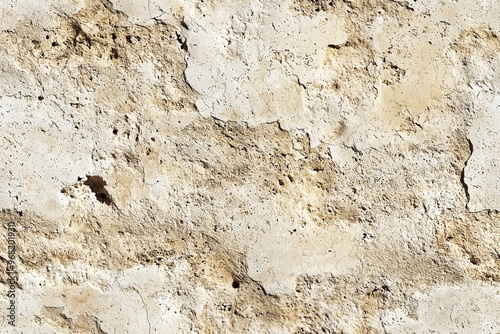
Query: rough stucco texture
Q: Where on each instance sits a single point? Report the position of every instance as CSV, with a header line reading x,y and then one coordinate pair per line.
x,y
216,166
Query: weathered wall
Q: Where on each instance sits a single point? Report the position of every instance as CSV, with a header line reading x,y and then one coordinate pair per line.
x,y
251,166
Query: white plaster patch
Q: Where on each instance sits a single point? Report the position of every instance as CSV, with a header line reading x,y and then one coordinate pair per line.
x,y
247,60
280,255
482,173
134,302
41,152
449,310
146,11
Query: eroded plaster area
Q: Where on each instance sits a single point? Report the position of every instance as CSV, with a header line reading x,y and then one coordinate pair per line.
x,y
387,63
329,71
258,166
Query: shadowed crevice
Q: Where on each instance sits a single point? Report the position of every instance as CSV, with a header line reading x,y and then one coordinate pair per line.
x,y
462,175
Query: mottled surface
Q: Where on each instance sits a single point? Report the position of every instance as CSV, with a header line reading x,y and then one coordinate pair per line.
x,y
251,166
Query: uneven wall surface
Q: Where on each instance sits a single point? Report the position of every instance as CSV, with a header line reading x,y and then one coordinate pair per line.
x,y
216,166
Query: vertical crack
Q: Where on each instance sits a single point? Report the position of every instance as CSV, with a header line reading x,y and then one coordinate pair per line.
x,y
462,175
145,308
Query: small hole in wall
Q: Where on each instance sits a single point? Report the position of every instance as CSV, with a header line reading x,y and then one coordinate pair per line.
x,y
235,285
115,131
114,54
40,98
128,38
475,260
97,186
